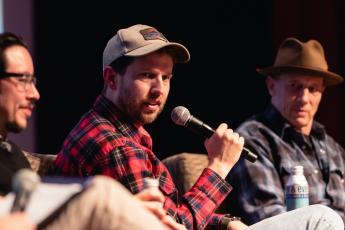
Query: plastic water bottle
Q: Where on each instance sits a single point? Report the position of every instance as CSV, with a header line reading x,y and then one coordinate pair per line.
x,y
151,183
296,190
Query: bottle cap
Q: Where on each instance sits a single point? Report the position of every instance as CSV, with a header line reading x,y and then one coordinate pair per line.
x,y
297,169
151,182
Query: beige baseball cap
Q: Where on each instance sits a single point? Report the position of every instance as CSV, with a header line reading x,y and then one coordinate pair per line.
x,y
139,40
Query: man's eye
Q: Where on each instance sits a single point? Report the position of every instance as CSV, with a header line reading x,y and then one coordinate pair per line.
x,y
167,77
313,89
147,75
293,85
24,80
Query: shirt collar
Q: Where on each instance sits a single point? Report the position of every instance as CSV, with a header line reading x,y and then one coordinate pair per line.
x,y
109,111
3,138
284,129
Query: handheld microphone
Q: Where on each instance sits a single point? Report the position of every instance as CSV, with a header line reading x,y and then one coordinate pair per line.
x,y
24,183
181,116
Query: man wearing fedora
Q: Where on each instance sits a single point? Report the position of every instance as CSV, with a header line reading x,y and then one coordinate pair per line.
x,y
286,135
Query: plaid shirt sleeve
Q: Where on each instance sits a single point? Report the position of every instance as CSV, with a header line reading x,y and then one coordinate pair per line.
x,y
204,197
194,209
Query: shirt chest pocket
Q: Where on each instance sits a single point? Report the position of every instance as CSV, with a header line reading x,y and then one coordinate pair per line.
x,y
167,187
335,187
336,178
171,194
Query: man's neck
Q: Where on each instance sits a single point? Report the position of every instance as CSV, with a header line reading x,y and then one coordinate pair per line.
x,y
305,130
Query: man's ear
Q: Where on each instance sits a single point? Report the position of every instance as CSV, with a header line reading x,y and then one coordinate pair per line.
x,y
270,82
110,76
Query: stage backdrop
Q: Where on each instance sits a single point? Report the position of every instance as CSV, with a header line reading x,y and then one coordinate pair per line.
x,y
227,41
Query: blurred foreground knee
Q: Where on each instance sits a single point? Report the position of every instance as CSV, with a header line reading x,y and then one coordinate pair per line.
x,y
328,215
101,181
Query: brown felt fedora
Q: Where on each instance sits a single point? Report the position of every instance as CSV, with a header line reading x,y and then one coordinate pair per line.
x,y
307,58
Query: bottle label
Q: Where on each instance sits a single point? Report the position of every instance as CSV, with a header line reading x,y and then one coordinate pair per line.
x,y
150,182
296,196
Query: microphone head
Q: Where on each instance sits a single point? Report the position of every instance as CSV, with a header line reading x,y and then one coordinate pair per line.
x,y
25,179
180,115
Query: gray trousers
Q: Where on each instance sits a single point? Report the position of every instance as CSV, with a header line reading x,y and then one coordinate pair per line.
x,y
313,217
105,204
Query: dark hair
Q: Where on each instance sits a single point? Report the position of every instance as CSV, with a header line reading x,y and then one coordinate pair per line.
x,y
120,65
8,39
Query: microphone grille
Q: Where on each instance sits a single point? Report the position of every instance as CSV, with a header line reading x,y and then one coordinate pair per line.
x,y
25,179
180,115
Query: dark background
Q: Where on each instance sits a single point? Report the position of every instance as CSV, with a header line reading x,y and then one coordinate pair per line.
x,y
227,40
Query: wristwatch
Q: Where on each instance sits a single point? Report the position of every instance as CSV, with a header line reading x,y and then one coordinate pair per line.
x,y
226,219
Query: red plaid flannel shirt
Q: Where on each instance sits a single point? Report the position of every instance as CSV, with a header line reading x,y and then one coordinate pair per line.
x,y
104,142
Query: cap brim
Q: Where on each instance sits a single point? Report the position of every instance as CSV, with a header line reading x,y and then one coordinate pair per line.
x,y
181,54
330,77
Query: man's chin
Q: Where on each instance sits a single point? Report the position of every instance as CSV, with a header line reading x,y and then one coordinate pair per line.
x,y
149,118
300,123
15,127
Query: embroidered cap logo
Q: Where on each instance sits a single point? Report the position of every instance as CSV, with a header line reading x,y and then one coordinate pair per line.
x,y
152,34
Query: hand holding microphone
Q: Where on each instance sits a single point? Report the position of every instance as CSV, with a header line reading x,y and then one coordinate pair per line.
x,y
181,116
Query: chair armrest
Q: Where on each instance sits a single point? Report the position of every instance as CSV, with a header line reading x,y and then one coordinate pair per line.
x,y
185,168
43,164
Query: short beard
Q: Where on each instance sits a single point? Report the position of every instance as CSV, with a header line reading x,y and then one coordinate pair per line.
x,y
148,119
129,105
143,119
12,127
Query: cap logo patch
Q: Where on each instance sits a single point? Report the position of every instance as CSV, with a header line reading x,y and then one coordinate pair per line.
x,y
152,34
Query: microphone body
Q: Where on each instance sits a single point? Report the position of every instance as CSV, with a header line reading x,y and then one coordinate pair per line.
x,y
181,116
24,183
199,127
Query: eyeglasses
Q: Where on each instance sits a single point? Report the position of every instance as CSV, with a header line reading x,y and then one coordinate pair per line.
x,y
25,81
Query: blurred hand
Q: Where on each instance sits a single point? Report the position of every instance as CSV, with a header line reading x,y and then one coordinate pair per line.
x,y
236,225
224,149
153,199
16,221
172,224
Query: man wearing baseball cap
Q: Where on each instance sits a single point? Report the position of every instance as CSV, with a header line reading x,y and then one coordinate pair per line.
x,y
286,135
110,138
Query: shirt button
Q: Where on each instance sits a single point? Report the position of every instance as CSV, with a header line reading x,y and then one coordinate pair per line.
x,y
322,151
